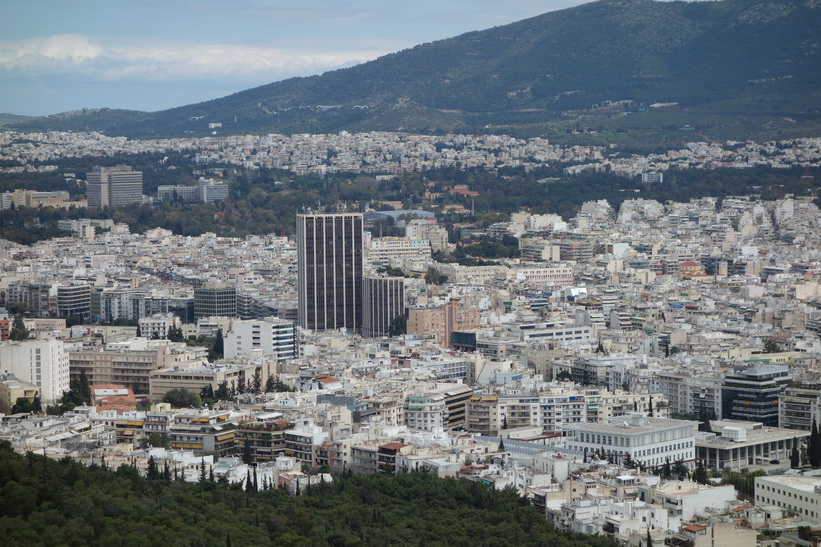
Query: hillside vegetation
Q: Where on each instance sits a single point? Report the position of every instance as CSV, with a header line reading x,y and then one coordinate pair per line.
x,y
47,502
744,68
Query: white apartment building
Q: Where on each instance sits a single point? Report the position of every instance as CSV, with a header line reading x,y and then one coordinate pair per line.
x,y
426,412
382,250
651,441
271,336
44,363
158,325
553,276
797,494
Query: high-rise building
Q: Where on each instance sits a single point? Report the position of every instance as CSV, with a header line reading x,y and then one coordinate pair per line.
x,y
329,261
383,300
114,186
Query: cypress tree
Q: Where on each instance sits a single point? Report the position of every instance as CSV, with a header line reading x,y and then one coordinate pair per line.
x,y
815,446
795,461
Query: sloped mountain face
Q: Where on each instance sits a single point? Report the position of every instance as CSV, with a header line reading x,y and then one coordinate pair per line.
x,y
730,57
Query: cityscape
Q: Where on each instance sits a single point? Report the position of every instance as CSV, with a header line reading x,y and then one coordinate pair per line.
x,y
370,337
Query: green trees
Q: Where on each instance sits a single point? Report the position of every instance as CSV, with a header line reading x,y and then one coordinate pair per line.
x,y
18,329
398,326
814,448
175,334
219,345
24,405
771,346
40,499
182,398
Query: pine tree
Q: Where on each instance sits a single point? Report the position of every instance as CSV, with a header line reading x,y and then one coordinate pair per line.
x,y
270,384
152,473
18,329
219,344
85,387
815,446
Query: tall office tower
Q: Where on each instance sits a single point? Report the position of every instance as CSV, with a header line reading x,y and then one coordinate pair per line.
x,y
383,300
329,262
114,186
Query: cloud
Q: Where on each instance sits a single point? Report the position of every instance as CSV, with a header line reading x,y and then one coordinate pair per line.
x,y
70,54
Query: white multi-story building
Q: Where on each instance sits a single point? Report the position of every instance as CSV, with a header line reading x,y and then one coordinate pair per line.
x,y
158,325
650,441
41,362
384,249
797,494
271,336
553,275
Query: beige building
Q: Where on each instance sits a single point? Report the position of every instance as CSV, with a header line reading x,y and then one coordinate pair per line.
x,y
12,389
194,379
129,363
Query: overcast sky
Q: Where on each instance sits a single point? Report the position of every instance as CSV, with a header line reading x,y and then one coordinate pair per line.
x,y
59,55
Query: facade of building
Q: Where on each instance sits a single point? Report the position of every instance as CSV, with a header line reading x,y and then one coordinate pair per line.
x,y
271,336
44,363
439,322
330,264
12,389
215,300
74,300
738,444
114,186
796,494
383,300
650,441
382,250
752,393
130,368
799,405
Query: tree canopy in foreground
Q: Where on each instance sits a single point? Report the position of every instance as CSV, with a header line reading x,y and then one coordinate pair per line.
x,y
51,502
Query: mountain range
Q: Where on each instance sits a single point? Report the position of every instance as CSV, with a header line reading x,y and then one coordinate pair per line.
x,y
726,69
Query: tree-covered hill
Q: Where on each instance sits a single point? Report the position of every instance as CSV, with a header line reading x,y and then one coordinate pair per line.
x,y
755,60
47,502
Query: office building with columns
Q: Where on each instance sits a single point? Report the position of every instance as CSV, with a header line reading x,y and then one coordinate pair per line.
x,y
329,263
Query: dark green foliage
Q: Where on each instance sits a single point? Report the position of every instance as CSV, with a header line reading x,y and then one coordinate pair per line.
x,y
795,461
175,334
700,473
771,346
18,329
219,344
182,398
398,326
814,448
733,70
41,500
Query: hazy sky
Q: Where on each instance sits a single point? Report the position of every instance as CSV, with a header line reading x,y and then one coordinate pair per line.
x,y
59,55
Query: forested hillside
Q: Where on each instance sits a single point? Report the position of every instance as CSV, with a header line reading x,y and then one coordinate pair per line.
x,y
740,68
46,502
